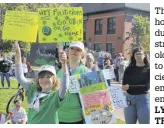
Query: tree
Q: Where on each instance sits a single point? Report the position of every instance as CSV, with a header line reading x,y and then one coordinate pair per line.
x,y
140,33
25,47
21,7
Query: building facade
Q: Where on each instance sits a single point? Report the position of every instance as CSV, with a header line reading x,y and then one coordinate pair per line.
x,y
106,25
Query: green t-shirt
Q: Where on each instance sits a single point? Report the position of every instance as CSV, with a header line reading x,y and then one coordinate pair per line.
x,y
71,110
47,112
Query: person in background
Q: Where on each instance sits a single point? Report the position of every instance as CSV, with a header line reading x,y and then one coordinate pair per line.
x,y
108,65
28,65
122,66
136,82
117,63
101,61
19,114
71,111
1,57
90,62
107,57
5,66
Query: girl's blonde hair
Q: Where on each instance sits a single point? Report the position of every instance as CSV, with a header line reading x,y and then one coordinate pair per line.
x,y
56,83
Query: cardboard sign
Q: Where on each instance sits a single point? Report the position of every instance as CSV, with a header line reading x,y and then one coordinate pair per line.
x,y
108,73
60,24
74,86
20,26
118,98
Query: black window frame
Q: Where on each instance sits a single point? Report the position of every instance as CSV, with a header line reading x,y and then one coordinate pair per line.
x,y
99,29
111,25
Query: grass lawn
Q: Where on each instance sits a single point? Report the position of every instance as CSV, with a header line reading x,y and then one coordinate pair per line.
x,y
6,94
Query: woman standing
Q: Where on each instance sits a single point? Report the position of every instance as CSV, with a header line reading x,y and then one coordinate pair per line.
x,y
136,81
71,111
108,65
90,62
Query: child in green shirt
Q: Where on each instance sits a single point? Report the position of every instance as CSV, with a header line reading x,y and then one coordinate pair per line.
x,y
46,96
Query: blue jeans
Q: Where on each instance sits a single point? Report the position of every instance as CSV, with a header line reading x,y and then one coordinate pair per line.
x,y
138,108
6,75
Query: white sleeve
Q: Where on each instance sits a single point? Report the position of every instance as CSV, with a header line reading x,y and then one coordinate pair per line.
x,y
24,115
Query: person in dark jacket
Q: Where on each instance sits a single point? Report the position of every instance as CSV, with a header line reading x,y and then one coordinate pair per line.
x,y
136,83
5,66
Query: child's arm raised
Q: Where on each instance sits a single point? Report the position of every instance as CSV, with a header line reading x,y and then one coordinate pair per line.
x,y
65,76
18,67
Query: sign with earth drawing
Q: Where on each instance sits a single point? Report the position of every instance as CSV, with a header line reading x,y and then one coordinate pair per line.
x,y
60,24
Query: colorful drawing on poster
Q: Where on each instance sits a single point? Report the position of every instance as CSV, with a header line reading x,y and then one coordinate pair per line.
x,y
101,116
94,99
97,107
93,88
91,82
22,26
117,97
74,86
60,24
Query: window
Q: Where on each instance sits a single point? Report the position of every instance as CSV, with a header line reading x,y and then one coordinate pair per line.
x,y
98,27
97,47
111,49
111,25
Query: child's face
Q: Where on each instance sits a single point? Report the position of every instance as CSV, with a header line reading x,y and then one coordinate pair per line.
x,y
17,105
46,81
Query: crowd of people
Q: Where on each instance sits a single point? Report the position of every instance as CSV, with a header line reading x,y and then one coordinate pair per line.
x,y
49,101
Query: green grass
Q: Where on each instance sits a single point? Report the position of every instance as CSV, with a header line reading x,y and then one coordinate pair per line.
x,y
119,122
6,94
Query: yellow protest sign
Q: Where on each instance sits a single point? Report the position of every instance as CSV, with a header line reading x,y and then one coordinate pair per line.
x,y
60,24
22,26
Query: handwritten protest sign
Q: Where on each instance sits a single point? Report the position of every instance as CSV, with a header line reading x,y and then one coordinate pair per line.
x,y
60,24
20,26
108,73
74,86
118,98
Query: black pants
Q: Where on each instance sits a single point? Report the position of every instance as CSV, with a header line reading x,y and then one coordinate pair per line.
x,y
79,122
116,74
24,76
